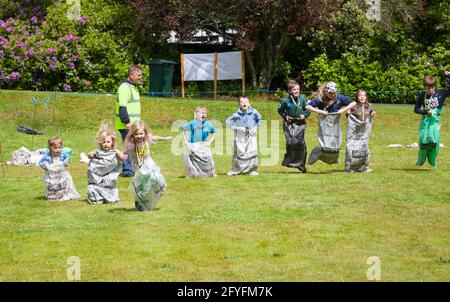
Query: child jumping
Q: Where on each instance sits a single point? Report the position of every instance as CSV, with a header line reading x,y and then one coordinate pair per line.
x,y
104,167
329,104
59,183
429,105
244,122
359,125
198,159
328,100
293,111
148,183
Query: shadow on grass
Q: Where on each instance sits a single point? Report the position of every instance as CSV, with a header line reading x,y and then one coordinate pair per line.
x,y
122,210
180,177
413,169
43,198
332,171
296,171
282,172
321,172
184,176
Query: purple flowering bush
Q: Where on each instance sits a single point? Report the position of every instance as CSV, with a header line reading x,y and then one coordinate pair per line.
x,y
41,49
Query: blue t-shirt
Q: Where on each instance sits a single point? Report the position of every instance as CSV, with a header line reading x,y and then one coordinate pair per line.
x,y
341,101
48,159
248,120
199,131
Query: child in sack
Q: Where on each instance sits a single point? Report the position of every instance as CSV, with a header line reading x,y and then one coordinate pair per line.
x,y
293,111
104,167
429,106
58,181
198,160
359,126
148,183
329,104
244,122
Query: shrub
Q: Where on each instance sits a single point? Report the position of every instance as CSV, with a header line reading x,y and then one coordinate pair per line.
x,y
398,83
51,52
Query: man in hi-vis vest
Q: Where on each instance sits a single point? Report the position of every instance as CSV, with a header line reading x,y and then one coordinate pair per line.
x,y
128,109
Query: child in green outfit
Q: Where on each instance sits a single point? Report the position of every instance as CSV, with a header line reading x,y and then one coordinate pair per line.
x,y
429,105
292,110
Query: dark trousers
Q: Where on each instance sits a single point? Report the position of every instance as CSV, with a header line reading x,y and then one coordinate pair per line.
x,y
127,167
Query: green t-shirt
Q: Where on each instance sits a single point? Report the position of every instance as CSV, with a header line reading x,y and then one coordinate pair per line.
x,y
293,106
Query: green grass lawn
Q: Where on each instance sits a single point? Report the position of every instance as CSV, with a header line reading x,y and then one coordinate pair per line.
x,y
279,226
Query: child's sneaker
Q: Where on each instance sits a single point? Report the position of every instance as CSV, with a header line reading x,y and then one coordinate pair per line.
x,y
254,173
368,171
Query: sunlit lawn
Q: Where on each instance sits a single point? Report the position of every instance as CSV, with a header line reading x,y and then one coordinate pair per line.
x,y
279,226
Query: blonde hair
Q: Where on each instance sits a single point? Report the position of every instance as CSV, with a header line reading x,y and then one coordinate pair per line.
x,y
106,130
201,109
52,141
137,126
320,93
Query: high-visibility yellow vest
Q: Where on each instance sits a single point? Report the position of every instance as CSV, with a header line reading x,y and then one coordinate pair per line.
x,y
128,96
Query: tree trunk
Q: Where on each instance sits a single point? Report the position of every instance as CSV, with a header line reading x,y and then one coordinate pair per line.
x,y
261,68
263,60
252,68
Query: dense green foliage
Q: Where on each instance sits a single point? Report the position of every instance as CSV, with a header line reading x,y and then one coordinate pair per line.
x,y
381,56
41,49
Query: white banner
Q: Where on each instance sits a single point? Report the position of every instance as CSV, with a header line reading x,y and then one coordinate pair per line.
x,y
200,67
229,65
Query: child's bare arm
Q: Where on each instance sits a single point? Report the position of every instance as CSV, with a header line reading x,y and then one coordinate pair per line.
x,y
184,137
313,109
126,148
122,156
161,138
350,106
212,139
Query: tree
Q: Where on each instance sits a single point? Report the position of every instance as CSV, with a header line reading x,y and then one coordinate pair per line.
x,y
432,26
262,28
